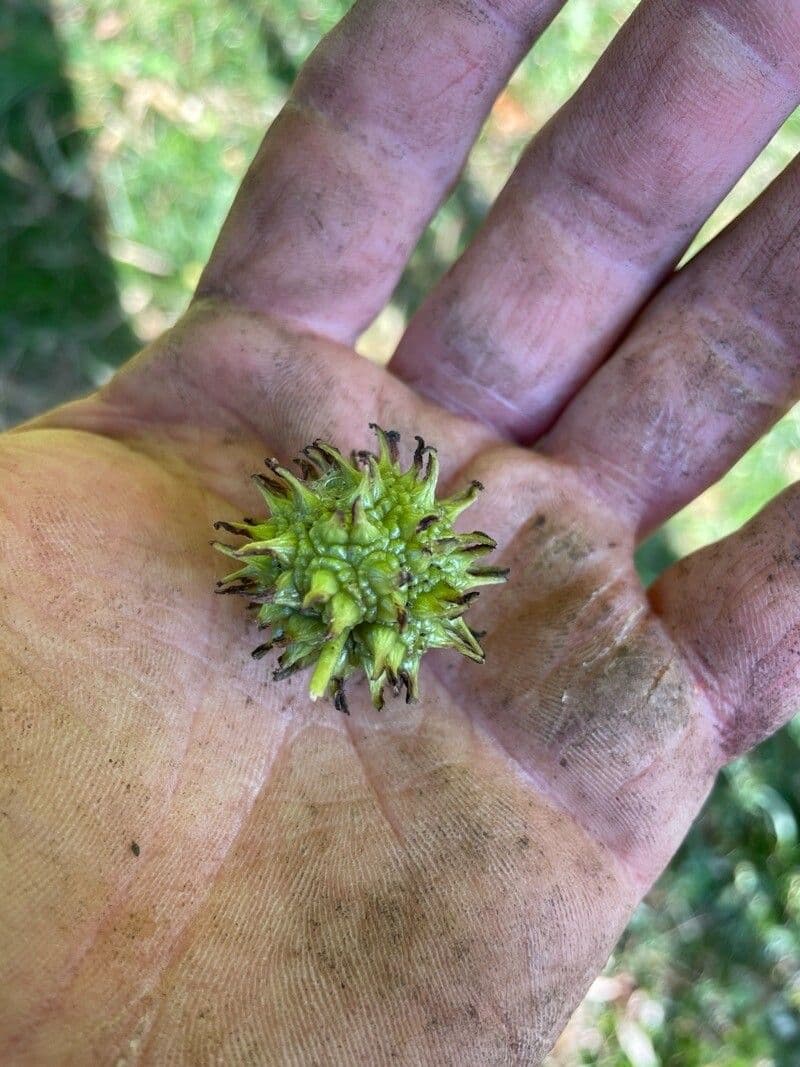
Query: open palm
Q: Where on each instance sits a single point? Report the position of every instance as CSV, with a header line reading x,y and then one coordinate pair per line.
x,y
199,865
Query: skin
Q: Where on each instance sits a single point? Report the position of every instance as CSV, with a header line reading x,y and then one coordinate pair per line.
x,y
200,866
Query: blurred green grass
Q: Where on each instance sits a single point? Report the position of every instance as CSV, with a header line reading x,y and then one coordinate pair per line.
x,y
125,129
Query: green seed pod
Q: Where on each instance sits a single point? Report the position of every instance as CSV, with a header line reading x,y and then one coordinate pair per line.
x,y
358,567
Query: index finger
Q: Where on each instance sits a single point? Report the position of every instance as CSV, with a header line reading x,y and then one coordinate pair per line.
x,y
377,127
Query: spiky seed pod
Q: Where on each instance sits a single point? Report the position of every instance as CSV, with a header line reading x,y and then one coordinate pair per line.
x,y
358,567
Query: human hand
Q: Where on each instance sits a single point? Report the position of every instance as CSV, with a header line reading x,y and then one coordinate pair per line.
x,y
201,866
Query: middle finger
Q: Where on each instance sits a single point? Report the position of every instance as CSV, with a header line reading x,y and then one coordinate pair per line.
x,y
602,205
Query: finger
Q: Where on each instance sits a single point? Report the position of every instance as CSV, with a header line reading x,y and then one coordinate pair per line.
x,y
735,608
711,364
602,205
378,126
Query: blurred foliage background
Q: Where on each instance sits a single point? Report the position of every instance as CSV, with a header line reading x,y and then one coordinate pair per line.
x,y
125,128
